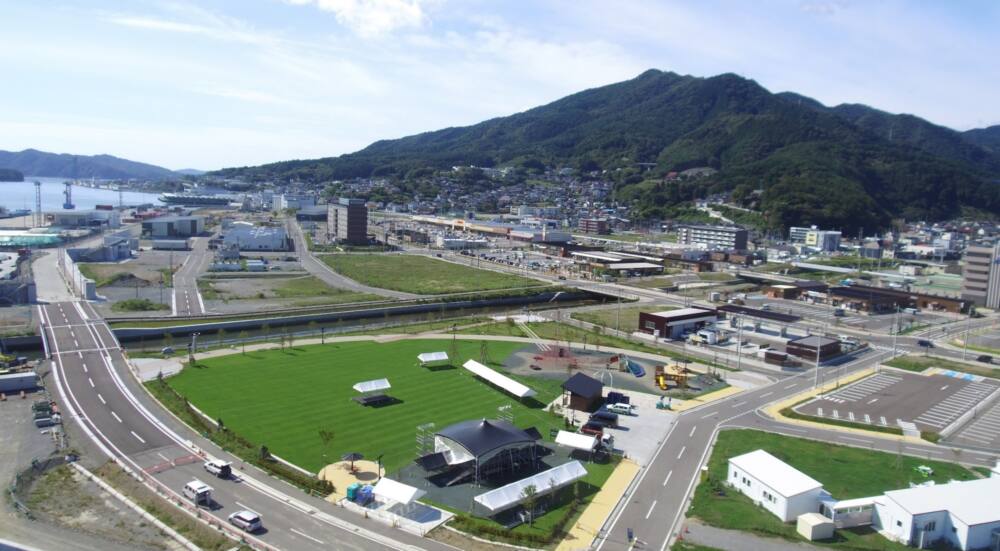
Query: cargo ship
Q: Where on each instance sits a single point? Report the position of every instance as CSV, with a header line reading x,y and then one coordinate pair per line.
x,y
192,199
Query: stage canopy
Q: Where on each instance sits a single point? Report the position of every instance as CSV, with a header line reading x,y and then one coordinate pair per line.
x,y
397,491
378,385
498,379
544,482
576,440
432,358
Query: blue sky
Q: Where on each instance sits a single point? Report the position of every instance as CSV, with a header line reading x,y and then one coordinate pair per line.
x,y
223,83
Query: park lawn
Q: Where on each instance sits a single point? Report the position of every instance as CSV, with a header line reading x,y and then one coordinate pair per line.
x,y
609,317
845,472
282,399
920,363
420,274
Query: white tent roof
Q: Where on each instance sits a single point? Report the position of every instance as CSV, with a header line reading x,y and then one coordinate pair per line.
x,y
372,386
544,482
576,440
428,357
499,379
786,480
389,489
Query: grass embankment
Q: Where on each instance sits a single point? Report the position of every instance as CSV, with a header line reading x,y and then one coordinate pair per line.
x,y
103,275
315,394
837,467
420,274
920,363
138,305
627,321
977,348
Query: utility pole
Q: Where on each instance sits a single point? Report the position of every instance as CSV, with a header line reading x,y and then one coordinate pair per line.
x,y
739,343
816,376
968,327
618,316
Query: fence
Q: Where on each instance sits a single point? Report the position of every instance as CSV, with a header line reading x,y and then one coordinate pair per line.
x,y
385,517
23,480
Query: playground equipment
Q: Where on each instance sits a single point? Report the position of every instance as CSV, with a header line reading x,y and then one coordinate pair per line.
x,y
674,373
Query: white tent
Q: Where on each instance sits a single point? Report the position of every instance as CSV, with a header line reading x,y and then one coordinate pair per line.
x,y
544,482
576,440
499,379
377,385
391,490
432,358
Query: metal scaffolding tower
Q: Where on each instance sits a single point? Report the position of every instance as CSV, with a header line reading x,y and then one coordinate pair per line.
x,y
38,217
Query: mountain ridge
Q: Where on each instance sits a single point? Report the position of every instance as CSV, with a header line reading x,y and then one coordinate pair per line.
x,y
830,166
34,162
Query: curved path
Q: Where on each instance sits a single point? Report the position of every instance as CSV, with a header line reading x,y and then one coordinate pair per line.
x,y
96,386
319,269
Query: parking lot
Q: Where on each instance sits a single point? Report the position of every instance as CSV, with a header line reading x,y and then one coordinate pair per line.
x,y
983,431
930,402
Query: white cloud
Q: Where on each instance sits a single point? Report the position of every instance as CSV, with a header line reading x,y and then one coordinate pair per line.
x,y
373,17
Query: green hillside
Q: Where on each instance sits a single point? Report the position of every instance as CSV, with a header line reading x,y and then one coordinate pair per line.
x,y
832,166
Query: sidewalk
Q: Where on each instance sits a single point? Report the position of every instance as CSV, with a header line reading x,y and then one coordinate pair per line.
x,y
735,540
590,522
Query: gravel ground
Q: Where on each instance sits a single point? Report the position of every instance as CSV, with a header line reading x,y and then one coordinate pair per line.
x,y
64,497
15,318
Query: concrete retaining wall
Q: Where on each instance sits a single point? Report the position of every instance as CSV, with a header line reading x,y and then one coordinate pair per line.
x,y
82,286
129,334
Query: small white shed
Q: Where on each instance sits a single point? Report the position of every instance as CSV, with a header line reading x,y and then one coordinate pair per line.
x,y
774,485
814,526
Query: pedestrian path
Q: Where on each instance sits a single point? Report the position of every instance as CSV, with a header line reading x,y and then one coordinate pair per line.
x,y
597,512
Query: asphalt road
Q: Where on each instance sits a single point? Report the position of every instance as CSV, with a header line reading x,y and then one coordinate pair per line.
x,y
98,392
320,270
187,298
658,501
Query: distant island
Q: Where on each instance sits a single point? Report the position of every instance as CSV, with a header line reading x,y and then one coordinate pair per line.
x,y
10,175
62,165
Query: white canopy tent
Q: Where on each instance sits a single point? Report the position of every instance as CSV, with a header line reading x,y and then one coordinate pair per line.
x,y
391,490
576,440
377,385
431,359
544,482
499,379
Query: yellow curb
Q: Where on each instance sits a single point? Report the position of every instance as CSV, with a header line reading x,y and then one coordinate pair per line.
x,y
710,397
586,527
774,411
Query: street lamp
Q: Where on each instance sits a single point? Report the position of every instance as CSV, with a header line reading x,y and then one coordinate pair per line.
x,y
193,347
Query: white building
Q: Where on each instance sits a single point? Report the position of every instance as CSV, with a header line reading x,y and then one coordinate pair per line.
x,y
248,237
965,514
774,485
289,201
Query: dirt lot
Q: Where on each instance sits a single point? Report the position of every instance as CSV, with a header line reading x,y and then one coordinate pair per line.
x,y
145,270
299,290
63,496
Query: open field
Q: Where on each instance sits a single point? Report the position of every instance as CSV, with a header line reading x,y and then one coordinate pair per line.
x,y
305,290
920,363
420,274
315,393
609,317
837,467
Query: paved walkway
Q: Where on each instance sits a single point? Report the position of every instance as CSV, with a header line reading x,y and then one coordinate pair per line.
x,y
49,283
583,532
735,540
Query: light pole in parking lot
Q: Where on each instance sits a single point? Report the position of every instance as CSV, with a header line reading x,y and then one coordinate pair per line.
x,y
965,341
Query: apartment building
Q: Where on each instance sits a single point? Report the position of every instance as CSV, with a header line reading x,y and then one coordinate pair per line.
x,y
725,237
347,221
981,275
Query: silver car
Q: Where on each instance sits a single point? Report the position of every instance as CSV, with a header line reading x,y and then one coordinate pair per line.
x,y
248,521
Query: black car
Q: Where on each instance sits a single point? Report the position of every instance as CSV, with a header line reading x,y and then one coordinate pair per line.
x,y
985,358
925,343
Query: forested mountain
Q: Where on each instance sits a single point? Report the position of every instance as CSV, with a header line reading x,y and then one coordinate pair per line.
x,y
987,138
10,175
837,167
61,165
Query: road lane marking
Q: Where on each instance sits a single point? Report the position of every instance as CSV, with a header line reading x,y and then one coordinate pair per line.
x,y
738,404
119,419
694,428
682,452
650,511
944,387
708,415
873,400
793,385
101,398
137,437
856,439
665,480
91,381
766,394
307,536
85,368
76,343
165,458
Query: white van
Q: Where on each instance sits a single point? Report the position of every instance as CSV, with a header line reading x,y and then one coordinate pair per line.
x,y
621,409
198,492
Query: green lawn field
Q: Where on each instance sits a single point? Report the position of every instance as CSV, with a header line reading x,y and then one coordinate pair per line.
x,y
420,274
283,399
627,320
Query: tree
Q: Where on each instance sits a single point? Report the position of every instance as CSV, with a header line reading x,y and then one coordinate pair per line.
x,y
243,340
529,498
326,436
291,339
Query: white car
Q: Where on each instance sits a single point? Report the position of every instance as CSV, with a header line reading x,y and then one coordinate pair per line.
x,y
221,469
248,521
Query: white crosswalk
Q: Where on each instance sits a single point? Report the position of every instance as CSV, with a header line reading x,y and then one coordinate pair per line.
x,y
863,389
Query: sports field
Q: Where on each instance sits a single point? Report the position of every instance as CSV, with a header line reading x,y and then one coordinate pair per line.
x,y
283,399
420,274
